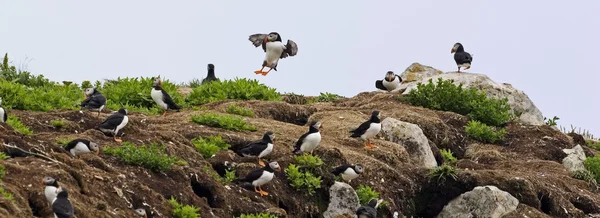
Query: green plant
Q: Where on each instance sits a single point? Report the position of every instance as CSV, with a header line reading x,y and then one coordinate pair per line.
x,y
592,164
302,180
235,109
10,73
3,192
229,176
195,83
584,175
3,156
134,93
40,98
326,97
64,141
222,121
16,124
57,123
241,89
484,133
443,173
258,215
551,122
208,146
593,144
448,156
309,161
365,194
183,211
152,157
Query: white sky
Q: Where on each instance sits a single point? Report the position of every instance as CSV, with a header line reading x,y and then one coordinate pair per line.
x,y
545,48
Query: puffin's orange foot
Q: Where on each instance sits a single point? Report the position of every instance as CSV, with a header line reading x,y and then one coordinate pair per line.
x,y
264,73
164,114
263,193
371,146
259,72
119,140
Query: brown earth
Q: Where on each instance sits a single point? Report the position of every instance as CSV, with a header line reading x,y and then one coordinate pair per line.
x,y
527,163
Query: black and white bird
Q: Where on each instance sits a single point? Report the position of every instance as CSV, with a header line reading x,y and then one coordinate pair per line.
x,y
390,83
114,123
348,171
210,76
368,129
369,210
61,206
94,100
3,113
274,49
261,176
50,185
162,98
309,141
82,146
259,148
141,212
462,58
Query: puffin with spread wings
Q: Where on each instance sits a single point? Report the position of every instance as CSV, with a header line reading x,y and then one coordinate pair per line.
x,y
274,49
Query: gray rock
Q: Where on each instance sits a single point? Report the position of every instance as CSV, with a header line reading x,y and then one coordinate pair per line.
x,y
343,201
575,158
412,138
482,201
417,72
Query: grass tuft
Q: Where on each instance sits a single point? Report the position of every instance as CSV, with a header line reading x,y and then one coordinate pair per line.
x,y
239,110
57,123
484,133
210,145
223,121
152,157
442,173
16,124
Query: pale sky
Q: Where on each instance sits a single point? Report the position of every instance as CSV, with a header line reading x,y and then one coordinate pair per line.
x,y
546,48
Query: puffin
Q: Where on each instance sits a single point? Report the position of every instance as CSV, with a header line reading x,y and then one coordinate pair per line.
x,y
211,75
368,129
81,146
259,148
348,171
114,123
462,58
61,206
51,184
141,212
94,100
369,210
309,141
274,49
162,98
261,176
3,113
389,83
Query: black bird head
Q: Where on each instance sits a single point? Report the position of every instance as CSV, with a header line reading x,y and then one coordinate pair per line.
x,y
211,67
269,136
375,114
389,76
316,124
457,48
122,111
48,180
273,37
62,192
358,168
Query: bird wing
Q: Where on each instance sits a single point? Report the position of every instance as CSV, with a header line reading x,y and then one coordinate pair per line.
x,y
258,39
291,49
86,101
300,141
340,169
97,100
254,175
168,100
64,209
361,129
254,148
379,85
463,57
112,121
71,145
399,78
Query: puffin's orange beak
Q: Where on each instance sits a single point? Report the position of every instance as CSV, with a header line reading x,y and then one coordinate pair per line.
x,y
42,182
453,50
160,82
266,39
98,151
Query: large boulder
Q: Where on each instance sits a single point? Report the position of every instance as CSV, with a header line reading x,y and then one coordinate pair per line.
x,y
482,201
343,201
517,99
417,72
575,158
412,138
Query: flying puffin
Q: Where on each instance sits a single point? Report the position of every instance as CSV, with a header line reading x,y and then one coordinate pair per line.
x,y
51,184
309,141
141,212
61,206
348,171
261,176
462,58
3,113
274,49
389,83
114,123
162,98
259,148
369,210
81,146
94,100
211,75
368,129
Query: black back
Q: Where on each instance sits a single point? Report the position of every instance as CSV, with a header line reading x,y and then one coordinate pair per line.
x,y
364,126
5,115
340,169
257,173
311,129
113,120
210,76
461,56
95,100
254,148
167,98
62,207
73,143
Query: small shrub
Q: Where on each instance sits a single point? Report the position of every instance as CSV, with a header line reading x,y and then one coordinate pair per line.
x,y
584,175
229,176
294,98
183,211
551,122
484,133
592,164
134,94
3,156
448,156
593,144
42,98
443,173
57,123
258,215
241,89
365,194
302,180
16,124
309,161
10,73
208,146
152,157
326,97
86,84
235,109
222,121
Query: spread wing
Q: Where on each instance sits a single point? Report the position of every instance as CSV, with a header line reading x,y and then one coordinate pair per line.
x,y
112,121
169,101
291,49
379,85
258,39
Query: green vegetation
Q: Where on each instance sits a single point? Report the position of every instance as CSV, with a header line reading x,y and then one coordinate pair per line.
x,y
239,110
592,164
584,175
448,156
593,144
302,180
208,146
310,161
57,123
16,124
365,194
10,73
241,89
3,156
326,97
64,141
551,122
446,96
258,215
134,94
229,176
152,157
442,173
183,211
484,133
222,121
3,191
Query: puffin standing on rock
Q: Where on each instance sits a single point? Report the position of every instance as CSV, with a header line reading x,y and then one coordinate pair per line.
x,y
368,129
162,98
389,83
94,100
462,58
82,146
61,206
211,75
114,123
309,141
348,171
274,49
3,114
261,176
51,185
369,210
259,148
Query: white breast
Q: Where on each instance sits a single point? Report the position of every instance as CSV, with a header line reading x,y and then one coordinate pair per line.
x,y
373,130
349,174
79,148
264,179
2,115
50,193
391,85
123,123
266,151
274,50
157,96
311,142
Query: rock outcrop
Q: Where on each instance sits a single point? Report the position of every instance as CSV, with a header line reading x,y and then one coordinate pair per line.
x,y
343,201
483,201
412,138
417,72
575,158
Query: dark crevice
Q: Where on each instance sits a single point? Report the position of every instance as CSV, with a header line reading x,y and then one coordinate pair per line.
x,y
204,192
585,204
222,167
545,202
283,206
35,208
